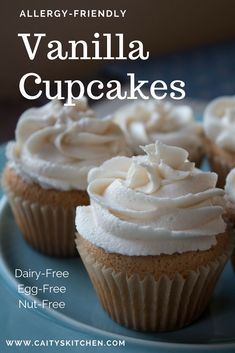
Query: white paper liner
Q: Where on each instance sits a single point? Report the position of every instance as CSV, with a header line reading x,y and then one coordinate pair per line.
x,y
49,229
154,305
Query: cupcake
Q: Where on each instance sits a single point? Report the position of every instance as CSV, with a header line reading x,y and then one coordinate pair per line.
x,y
46,174
219,126
153,239
145,122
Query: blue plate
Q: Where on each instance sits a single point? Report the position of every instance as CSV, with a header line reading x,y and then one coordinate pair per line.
x,y
214,330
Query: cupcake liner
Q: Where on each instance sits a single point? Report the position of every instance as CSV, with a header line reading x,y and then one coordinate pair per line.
x,y
150,304
49,229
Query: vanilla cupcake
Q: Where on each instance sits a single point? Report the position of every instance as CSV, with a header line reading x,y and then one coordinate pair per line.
x,y
153,239
145,122
219,126
46,175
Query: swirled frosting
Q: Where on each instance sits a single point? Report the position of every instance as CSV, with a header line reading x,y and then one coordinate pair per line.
x,y
56,146
230,185
219,122
152,204
146,122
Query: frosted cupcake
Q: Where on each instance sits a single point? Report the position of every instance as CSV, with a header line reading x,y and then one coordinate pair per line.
x,y
153,239
145,122
219,126
46,175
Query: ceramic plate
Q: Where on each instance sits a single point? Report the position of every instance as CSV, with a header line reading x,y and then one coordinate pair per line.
x,y
215,329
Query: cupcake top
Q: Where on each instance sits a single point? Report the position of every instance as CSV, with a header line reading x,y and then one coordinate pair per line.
x,y
230,185
56,145
146,122
154,204
219,122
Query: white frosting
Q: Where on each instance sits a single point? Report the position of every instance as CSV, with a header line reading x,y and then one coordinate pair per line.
x,y
146,122
219,122
56,146
230,185
152,204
